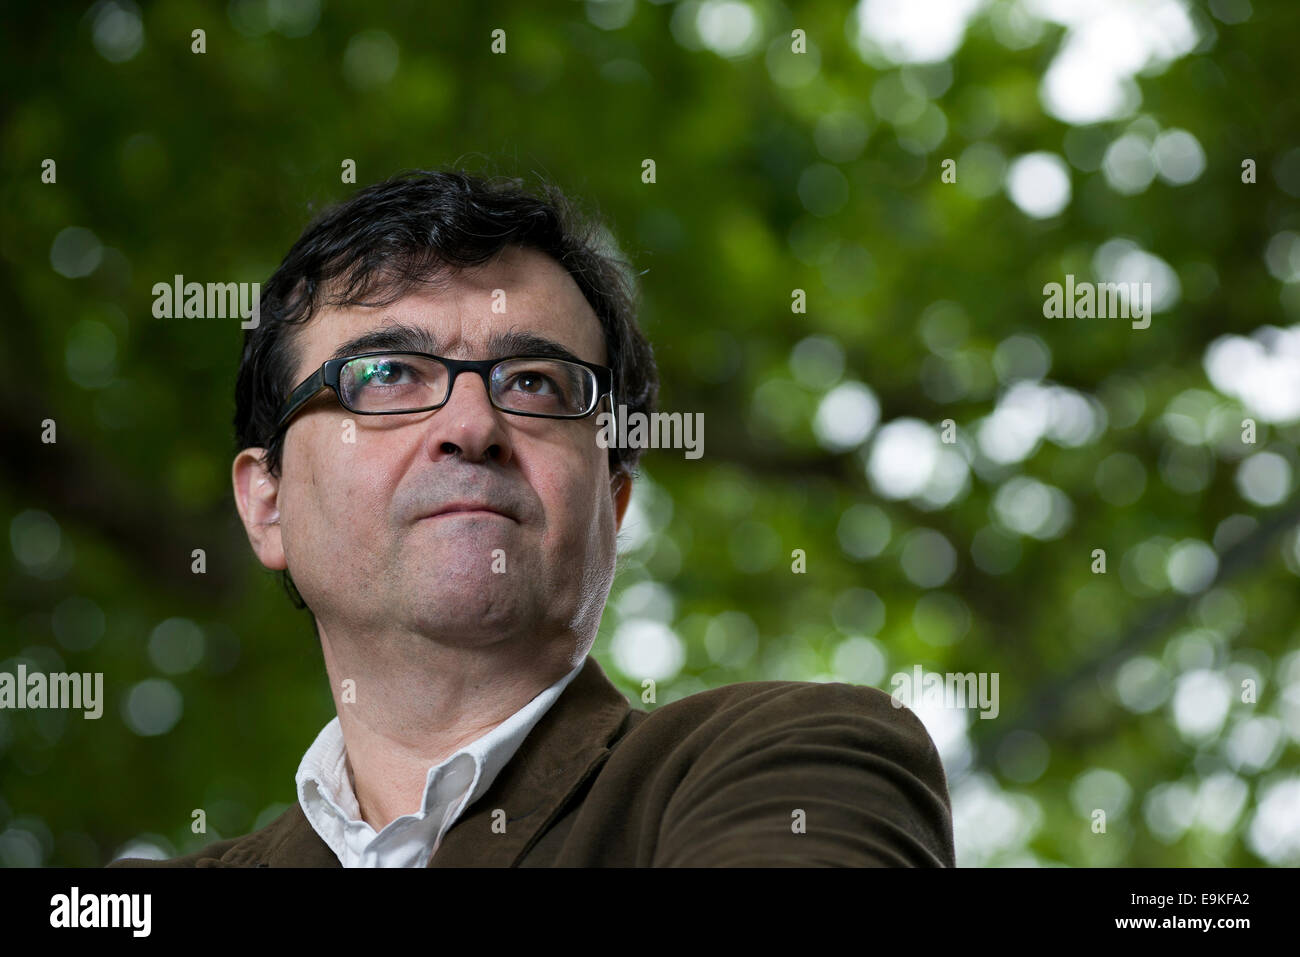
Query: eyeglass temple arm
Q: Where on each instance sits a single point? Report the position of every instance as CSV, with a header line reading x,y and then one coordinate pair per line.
x,y
300,395
613,414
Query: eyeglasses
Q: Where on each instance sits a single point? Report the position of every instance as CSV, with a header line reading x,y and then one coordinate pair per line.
x,y
391,383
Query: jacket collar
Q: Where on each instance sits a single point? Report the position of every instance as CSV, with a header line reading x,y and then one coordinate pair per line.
x,y
569,744
565,747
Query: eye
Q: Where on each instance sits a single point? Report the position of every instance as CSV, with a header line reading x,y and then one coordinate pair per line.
x,y
533,383
384,372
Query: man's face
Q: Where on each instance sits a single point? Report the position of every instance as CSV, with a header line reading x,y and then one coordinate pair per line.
x,y
356,494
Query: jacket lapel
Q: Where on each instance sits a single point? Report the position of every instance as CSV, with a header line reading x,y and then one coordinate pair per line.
x,y
567,745
300,845
288,841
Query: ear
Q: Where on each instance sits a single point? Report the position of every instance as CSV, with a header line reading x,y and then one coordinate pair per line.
x,y
256,497
620,486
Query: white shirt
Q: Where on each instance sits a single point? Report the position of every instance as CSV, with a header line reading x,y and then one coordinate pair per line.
x,y
327,798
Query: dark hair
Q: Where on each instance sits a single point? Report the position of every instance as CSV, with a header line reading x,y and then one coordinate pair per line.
x,y
411,229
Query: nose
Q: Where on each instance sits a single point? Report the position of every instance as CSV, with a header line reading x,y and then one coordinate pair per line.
x,y
469,425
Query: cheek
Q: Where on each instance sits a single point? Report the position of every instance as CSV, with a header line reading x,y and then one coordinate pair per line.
x,y
588,513
563,478
338,491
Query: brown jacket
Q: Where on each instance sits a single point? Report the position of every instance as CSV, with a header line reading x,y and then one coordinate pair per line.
x,y
762,773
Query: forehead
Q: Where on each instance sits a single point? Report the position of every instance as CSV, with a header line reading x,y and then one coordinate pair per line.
x,y
520,299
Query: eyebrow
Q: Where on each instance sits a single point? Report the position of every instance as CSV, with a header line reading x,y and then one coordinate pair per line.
x,y
400,337
397,337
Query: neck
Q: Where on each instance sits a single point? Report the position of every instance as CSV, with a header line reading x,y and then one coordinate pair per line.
x,y
412,702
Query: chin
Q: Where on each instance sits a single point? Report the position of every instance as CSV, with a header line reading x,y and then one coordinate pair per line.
x,y
473,607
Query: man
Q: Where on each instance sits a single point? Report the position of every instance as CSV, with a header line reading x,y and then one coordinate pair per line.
x,y
416,416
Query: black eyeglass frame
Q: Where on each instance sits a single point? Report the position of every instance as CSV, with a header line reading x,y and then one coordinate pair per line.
x,y
327,377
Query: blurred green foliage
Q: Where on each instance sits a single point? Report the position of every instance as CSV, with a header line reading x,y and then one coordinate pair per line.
x,y
772,174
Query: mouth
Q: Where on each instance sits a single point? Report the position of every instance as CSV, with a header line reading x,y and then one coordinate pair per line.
x,y
468,510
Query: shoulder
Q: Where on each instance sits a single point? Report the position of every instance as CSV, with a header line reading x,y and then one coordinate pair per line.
x,y
243,851
726,769
762,702
841,721
745,693
205,857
